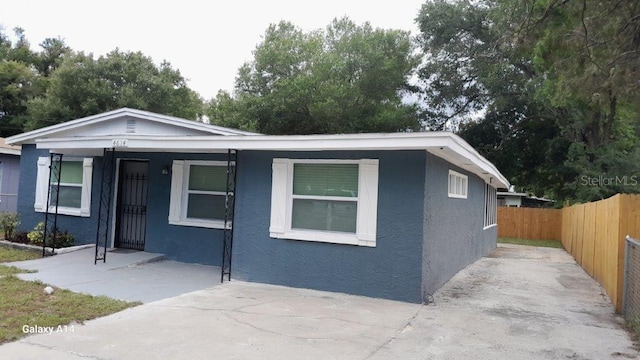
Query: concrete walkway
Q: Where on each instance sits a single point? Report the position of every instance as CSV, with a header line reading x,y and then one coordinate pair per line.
x,y
132,276
519,303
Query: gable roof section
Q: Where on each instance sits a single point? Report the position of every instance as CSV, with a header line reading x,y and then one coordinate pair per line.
x,y
80,125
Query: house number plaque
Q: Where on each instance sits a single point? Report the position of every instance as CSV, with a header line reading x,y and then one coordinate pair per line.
x,y
120,143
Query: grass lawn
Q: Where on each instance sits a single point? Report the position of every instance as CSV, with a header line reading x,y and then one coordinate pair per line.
x,y
24,303
11,270
540,243
9,254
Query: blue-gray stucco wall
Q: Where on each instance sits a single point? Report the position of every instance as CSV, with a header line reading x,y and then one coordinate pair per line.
x,y
10,182
390,270
181,243
453,228
83,229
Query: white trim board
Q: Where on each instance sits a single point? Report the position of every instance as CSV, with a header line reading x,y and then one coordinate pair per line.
x,y
445,145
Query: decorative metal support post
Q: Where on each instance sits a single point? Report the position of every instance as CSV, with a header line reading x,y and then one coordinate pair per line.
x,y
229,210
104,210
51,218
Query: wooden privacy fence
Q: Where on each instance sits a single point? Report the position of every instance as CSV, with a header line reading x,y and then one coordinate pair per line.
x,y
529,223
594,233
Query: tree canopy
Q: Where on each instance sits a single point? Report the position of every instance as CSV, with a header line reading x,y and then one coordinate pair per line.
x,y
84,86
555,83
546,89
345,78
56,84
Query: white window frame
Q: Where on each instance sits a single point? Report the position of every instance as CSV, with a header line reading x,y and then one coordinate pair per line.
x,y
179,198
460,186
490,206
367,200
42,187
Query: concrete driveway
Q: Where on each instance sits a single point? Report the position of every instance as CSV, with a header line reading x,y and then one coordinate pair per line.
x,y
518,303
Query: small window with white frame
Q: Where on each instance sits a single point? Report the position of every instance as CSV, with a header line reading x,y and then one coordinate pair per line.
x,y
74,186
490,206
198,193
331,201
458,185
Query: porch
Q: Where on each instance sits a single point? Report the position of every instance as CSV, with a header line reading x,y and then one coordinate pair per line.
x,y
128,275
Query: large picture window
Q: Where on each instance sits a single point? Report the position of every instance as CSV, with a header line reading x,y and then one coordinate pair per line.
x,y
74,192
325,200
198,193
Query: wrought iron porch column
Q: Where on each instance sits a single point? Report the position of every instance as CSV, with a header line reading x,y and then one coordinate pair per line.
x,y
229,211
104,209
53,192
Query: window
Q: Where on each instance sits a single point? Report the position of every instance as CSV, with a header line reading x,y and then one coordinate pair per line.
x,y
198,193
74,192
325,200
490,208
457,185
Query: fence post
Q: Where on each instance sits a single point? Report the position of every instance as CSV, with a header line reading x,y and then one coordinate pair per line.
x,y
626,275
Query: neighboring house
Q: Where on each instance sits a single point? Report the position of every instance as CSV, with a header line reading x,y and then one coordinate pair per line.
x,y
9,176
382,215
516,199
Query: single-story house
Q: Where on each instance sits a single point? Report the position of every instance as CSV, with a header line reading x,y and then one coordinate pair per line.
x,y
384,215
9,176
520,199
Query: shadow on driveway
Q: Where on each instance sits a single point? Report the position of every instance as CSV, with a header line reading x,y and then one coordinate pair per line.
x,y
131,276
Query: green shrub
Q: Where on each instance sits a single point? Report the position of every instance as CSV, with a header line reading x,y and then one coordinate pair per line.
x,y
9,222
20,237
63,238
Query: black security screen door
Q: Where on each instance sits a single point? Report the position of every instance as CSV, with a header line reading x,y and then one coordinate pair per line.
x,y
131,211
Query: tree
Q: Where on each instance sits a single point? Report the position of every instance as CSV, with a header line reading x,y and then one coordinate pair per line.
x,y
553,82
17,81
83,86
54,50
343,79
16,88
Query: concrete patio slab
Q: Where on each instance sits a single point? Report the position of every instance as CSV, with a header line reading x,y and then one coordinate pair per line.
x,y
132,276
519,303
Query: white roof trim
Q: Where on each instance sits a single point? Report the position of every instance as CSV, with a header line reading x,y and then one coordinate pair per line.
x,y
30,136
513,194
442,144
8,149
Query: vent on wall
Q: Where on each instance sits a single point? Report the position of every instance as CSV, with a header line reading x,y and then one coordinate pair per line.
x,y
131,126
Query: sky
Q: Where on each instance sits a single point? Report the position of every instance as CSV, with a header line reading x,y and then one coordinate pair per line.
x,y
206,40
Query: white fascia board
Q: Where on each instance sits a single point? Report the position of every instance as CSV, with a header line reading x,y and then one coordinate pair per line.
x,y
410,141
463,148
513,194
6,151
463,155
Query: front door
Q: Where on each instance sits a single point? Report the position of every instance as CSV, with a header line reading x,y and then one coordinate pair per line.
x,y
131,210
